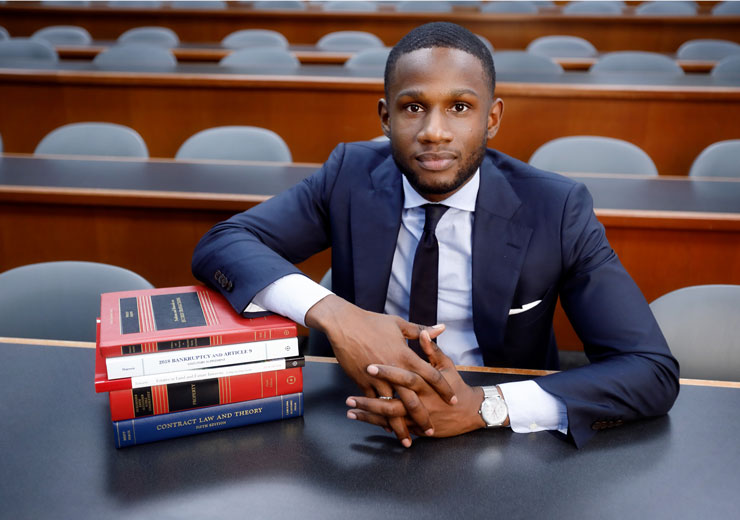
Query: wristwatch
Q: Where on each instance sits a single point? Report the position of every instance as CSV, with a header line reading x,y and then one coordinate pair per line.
x,y
493,409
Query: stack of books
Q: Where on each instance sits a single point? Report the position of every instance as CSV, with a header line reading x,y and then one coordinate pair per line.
x,y
179,361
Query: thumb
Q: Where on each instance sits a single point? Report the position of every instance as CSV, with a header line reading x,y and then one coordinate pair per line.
x,y
436,356
413,330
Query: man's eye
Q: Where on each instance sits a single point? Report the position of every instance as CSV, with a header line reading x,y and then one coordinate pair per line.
x,y
414,109
460,107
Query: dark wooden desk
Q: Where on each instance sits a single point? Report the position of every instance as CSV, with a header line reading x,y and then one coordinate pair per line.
x,y
339,105
148,216
59,460
505,31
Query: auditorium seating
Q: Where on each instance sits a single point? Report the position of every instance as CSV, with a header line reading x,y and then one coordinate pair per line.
x,y
707,49
592,154
721,159
271,57
63,35
152,35
630,62
562,46
93,139
254,38
348,41
24,50
238,143
139,55
523,62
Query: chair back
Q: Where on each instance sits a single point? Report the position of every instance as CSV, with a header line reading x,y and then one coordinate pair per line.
x,y
139,55
271,5
152,35
59,300
106,139
727,8
593,7
707,49
592,154
137,4
4,34
509,7
423,6
666,8
350,5
63,35
254,38
349,41
523,62
641,62
237,143
369,59
24,50
198,4
727,68
271,57
720,159
700,324
558,46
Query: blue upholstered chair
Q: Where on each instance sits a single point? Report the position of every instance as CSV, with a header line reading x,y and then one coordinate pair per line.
x,y
592,154
349,41
59,300
246,38
269,57
162,36
561,46
237,143
720,159
105,139
63,35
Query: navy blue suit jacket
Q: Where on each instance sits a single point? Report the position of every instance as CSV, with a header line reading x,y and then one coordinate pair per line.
x,y
535,237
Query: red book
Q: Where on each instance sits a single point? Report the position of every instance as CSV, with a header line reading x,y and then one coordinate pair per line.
x,y
156,400
155,320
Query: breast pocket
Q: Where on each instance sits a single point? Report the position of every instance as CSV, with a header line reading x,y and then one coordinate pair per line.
x,y
528,310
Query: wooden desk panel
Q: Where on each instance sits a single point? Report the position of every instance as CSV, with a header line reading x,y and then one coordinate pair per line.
x,y
153,230
505,31
312,113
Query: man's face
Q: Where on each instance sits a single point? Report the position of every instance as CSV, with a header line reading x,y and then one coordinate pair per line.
x,y
439,115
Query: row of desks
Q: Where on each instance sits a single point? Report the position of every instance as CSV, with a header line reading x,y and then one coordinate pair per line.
x,y
59,460
506,31
317,106
148,216
311,55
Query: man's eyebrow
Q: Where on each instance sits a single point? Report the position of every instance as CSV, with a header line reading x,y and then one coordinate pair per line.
x,y
416,93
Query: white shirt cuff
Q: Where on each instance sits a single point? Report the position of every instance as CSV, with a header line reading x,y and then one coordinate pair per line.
x,y
531,409
291,296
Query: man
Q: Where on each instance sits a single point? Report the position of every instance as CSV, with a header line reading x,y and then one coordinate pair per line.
x,y
505,240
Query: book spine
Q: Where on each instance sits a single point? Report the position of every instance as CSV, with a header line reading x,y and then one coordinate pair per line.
x,y
174,361
103,384
158,400
190,422
236,336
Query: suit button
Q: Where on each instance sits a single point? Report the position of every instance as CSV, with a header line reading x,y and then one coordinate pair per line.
x,y
229,287
217,275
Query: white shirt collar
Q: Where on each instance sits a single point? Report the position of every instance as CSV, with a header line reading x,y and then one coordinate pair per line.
x,y
463,199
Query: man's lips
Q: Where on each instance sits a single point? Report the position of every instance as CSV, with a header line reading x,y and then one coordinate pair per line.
x,y
436,161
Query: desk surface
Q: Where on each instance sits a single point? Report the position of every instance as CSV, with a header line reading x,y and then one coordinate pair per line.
x,y
252,182
59,460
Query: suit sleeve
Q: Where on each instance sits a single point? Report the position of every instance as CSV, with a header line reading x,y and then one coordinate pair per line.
x,y
244,254
632,372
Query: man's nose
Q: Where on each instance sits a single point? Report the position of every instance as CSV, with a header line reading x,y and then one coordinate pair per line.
x,y
435,128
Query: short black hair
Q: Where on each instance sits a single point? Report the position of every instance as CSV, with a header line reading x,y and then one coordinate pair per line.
x,y
441,34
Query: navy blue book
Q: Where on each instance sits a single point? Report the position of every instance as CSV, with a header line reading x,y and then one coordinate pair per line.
x,y
200,420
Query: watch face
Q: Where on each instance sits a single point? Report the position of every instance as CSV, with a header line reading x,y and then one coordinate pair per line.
x,y
493,410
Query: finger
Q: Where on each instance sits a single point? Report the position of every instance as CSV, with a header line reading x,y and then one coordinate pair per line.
x,y
436,355
432,376
416,411
370,418
389,408
412,330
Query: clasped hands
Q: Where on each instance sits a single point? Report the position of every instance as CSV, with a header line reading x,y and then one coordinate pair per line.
x,y
431,399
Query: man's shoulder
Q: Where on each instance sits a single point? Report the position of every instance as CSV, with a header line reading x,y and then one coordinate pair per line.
x,y
364,152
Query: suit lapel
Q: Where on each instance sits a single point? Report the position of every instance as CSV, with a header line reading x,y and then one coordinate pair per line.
x,y
499,248
376,218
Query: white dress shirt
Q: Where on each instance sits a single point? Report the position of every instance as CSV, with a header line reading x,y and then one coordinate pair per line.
x,y
530,408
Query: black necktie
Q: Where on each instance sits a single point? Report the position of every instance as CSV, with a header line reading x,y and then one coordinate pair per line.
x,y
425,273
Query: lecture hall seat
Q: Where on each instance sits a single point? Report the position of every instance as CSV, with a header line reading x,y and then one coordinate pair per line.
x,y
236,143
592,154
720,159
59,300
93,138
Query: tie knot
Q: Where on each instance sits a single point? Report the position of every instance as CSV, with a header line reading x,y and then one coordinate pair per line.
x,y
433,212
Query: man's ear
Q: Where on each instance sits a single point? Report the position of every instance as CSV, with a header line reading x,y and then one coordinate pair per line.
x,y
385,117
494,117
